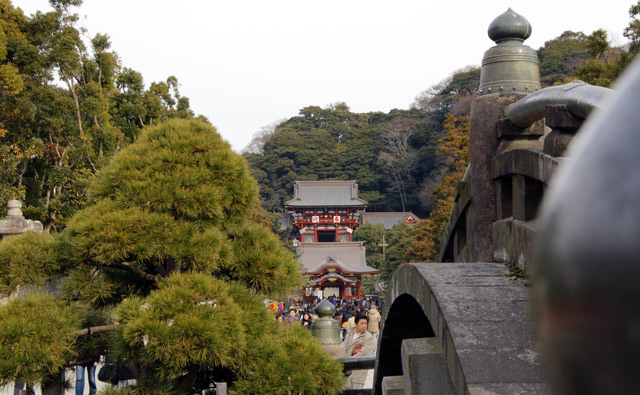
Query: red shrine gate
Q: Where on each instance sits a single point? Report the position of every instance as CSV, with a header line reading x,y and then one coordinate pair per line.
x,y
326,214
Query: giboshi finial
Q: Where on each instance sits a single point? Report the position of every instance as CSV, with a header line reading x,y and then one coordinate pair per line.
x,y
509,26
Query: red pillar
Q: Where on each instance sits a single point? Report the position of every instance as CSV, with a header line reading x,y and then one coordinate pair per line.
x,y
315,233
343,291
358,294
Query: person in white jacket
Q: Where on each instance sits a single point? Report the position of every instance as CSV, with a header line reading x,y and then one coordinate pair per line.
x,y
374,322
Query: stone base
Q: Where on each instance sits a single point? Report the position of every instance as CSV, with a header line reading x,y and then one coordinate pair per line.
x,y
393,385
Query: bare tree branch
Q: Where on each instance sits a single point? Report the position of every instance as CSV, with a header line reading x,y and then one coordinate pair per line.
x,y
96,329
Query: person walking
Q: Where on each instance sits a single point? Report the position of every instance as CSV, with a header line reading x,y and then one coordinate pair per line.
x,y
374,322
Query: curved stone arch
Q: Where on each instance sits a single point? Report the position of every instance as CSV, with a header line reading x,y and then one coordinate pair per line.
x,y
408,321
479,317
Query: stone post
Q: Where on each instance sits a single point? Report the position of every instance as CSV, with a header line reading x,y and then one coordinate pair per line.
x,y
327,330
486,111
509,72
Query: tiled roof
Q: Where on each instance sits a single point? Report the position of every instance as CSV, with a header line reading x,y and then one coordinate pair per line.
x,y
325,194
388,219
348,256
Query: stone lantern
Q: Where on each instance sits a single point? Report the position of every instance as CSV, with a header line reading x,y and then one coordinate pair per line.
x,y
14,223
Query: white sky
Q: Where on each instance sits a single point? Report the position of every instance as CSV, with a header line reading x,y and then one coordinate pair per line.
x,y
245,64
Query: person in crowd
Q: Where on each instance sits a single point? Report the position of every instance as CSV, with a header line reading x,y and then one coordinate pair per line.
x,y
338,317
351,322
374,322
292,317
307,320
359,343
345,316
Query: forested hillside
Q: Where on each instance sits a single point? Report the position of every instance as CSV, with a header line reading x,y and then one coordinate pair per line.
x,y
390,155
67,104
412,159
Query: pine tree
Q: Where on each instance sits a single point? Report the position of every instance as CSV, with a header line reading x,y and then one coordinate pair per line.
x,y
172,242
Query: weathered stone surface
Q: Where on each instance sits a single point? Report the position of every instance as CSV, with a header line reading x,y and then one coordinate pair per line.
x,y
557,142
485,112
479,316
488,334
501,365
526,162
506,129
14,223
448,252
393,385
558,117
424,367
514,242
508,389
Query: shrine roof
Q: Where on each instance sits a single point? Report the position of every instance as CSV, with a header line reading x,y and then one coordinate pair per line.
x,y
388,219
325,194
349,257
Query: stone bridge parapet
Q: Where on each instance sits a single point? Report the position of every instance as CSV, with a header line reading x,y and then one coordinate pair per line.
x,y
478,318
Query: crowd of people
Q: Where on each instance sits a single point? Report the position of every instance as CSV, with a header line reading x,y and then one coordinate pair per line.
x,y
359,320
302,312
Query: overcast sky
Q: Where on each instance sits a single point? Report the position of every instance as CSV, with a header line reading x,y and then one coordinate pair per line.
x,y
246,64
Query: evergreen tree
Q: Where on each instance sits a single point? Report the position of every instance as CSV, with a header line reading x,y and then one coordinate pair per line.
x,y
383,152
372,235
632,32
174,241
54,139
400,237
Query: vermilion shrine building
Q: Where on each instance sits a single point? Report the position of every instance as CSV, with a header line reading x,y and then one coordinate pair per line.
x,y
326,213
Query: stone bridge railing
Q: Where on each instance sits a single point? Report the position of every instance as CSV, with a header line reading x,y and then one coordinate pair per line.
x,y
525,161
464,327
456,328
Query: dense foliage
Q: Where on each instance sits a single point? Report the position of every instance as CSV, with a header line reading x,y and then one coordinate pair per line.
x,y
173,239
397,239
29,348
390,156
67,104
454,149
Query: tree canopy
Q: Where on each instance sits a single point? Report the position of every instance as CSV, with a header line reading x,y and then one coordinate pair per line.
x,y
67,104
174,245
390,155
